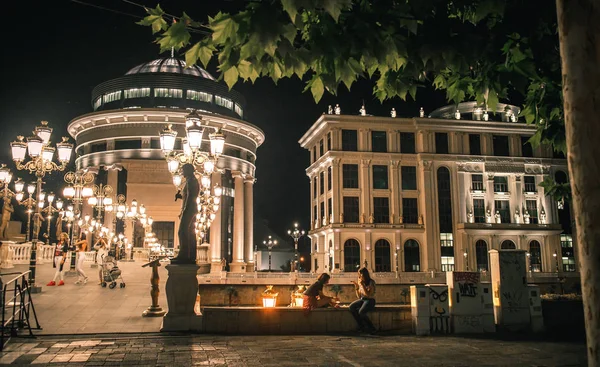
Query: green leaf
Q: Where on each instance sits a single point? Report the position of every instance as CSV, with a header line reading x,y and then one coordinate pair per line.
x,y
177,36
224,28
154,19
409,24
231,76
290,7
200,51
492,100
289,32
335,7
317,88
245,69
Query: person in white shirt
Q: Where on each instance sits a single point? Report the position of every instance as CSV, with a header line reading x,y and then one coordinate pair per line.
x,y
365,291
102,251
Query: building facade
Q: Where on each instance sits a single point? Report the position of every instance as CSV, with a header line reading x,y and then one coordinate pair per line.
x,y
120,141
433,194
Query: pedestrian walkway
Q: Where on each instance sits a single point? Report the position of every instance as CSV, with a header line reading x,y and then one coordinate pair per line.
x,y
91,309
305,351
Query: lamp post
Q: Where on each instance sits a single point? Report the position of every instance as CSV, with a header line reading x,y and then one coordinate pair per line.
x,y
49,212
270,243
204,162
78,188
101,199
29,203
41,156
5,179
296,233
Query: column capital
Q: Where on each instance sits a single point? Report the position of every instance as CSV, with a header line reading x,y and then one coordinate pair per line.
x,y
249,180
365,162
237,174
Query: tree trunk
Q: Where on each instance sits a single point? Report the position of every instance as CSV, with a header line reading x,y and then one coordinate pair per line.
x,y
579,35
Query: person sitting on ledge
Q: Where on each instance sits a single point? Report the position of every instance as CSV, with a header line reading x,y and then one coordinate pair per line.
x,y
314,297
365,291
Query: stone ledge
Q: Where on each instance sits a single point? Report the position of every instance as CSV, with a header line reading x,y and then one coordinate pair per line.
x,y
289,321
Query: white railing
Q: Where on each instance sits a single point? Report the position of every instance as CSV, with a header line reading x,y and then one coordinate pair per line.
x,y
89,256
202,254
385,275
6,256
45,254
20,254
272,275
141,254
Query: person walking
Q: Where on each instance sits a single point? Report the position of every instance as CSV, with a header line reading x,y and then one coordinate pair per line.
x,y
365,291
60,255
102,251
81,246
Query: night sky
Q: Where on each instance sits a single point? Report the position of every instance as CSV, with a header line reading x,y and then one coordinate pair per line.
x,y
57,51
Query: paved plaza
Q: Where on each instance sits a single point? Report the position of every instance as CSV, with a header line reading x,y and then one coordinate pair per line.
x,y
262,351
91,309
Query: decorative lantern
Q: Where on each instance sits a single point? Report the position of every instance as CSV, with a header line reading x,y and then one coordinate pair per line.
x,y
269,297
298,296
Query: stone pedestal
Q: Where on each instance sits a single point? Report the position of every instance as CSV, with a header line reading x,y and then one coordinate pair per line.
x,y
237,267
182,290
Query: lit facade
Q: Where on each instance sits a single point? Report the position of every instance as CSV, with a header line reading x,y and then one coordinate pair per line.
x,y
120,140
431,194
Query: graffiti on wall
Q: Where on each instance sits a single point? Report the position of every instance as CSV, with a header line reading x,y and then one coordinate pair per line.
x,y
439,321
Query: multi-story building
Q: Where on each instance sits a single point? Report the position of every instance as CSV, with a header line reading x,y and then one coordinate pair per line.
x,y
433,193
120,141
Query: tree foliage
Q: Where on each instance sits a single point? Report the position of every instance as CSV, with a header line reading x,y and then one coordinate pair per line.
x,y
483,50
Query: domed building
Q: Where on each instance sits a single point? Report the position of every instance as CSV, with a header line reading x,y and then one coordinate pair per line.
x,y
120,141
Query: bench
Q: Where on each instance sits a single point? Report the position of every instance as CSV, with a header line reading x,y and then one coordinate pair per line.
x,y
394,319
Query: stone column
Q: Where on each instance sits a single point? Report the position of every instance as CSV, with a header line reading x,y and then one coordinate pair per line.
x,y
431,256
238,265
249,222
336,189
215,233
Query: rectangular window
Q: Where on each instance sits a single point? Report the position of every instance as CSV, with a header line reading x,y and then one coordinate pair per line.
x,y
137,93
329,179
479,210
330,207
477,183
314,154
322,206
407,143
329,141
500,184
97,103
238,109
441,143
222,101
321,148
447,251
500,145
165,233
503,207
315,188
168,93
322,182
410,212
350,209
110,97
350,176
379,141
568,256
128,144
529,183
380,177
349,140
98,147
526,147
199,96
409,177
474,144
381,210
315,213
531,206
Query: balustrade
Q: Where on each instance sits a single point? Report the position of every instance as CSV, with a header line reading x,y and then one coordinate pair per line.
x,y
20,254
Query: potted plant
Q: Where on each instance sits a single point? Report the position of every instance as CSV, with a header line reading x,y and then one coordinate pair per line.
x,y
231,293
337,289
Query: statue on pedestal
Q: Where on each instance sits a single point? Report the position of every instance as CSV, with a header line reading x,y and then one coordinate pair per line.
x,y
187,218
331,218
420,220
393,112
470,218
517,216
526,217
341,217
371,218
338,109
542,216
421,112
329,110
362,218
37,225
488,216
7,211
400,219
363,111
497,217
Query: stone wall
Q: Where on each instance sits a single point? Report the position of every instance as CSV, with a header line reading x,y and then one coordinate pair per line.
x,y
250,295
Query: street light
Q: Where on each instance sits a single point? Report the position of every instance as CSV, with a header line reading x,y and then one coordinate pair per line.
x,y
77,190
204,162
101,199
49,212
41,156
5,179
295,234
29,203
270,243
466,256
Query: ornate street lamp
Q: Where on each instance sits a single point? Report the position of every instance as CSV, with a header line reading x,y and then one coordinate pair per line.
x,y
204,162
49,212
270,243
101,199
77,190
41,156
29,203
5,179
296,234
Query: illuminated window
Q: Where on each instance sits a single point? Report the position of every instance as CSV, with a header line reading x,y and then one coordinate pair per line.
x,y
535,256
222,101
137,93
447,250
199,96
239,110
111,97
568,257
412,260
97,103
168,93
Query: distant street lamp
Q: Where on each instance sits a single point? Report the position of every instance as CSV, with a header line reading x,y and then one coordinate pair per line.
x,y
101,200
41,156
77,190
29,203
295,234
49,212
270,243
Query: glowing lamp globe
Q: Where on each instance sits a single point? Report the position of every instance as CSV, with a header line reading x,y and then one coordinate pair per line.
x,y
217,143
167,139
87,192
48,153
64,150
44,132
69,192
34,146
19,186
18,149
269,297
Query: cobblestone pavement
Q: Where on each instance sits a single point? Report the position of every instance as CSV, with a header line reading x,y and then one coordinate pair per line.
x,y
310,351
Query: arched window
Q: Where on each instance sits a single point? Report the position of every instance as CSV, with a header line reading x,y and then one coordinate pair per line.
x,y
508,245
481,254
412,260
351,255
445,218
535,256
382,256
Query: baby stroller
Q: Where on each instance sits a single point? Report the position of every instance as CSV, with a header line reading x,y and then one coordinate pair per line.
x,y
111,273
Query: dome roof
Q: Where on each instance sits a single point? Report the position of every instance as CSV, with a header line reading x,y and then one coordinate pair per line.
x,y
170,65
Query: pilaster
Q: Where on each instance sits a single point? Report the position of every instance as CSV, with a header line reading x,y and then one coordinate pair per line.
x,y
238,265
215,233
249,223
